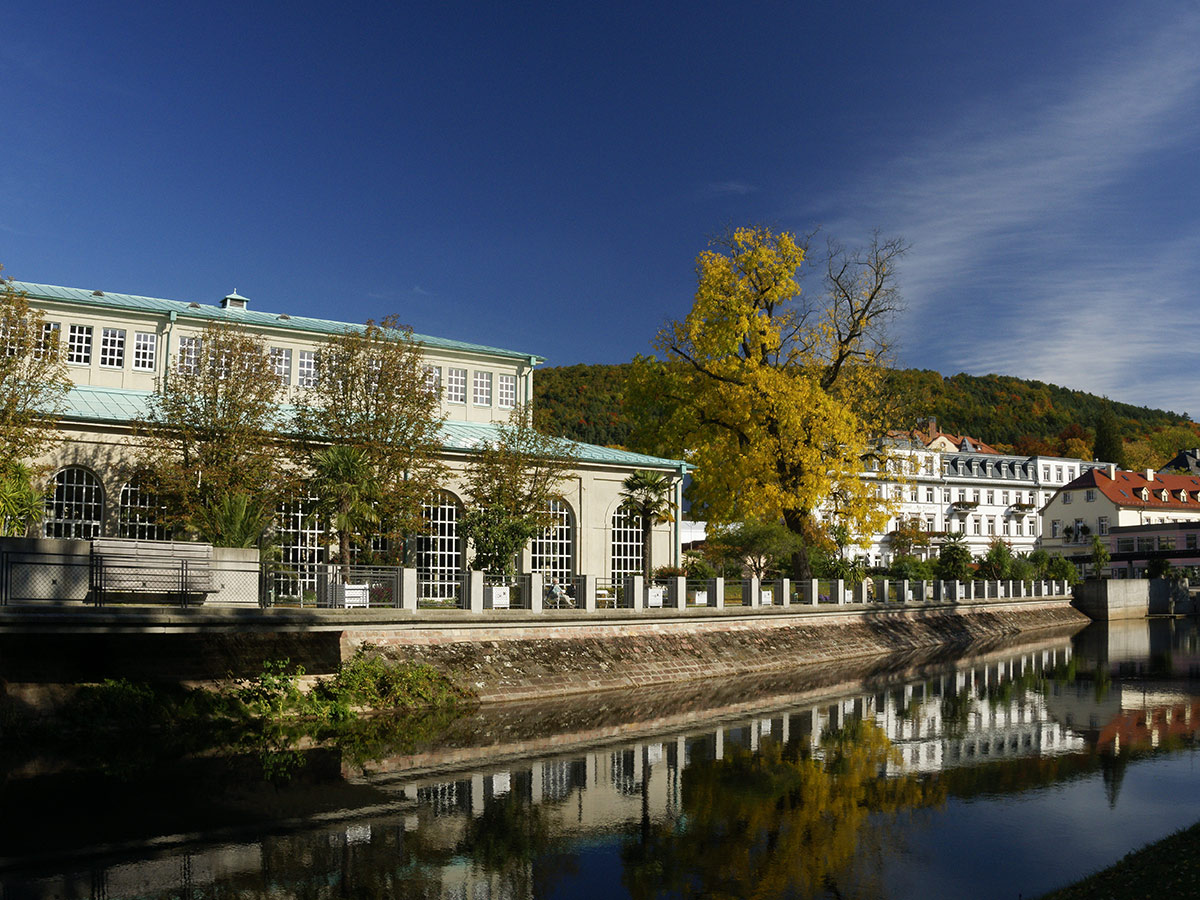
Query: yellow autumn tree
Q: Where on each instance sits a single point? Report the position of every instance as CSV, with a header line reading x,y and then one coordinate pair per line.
x,y
777,396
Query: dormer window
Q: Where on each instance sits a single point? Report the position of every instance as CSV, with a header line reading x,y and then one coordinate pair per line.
x,y
1183,498
1164,496
1144,493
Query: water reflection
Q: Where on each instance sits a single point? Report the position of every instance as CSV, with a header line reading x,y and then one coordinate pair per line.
x,y
809,792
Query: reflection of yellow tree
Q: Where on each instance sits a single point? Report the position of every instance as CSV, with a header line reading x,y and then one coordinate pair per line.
x,y
780,822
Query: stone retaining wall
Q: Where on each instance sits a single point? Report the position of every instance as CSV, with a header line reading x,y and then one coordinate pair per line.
x,y
533,662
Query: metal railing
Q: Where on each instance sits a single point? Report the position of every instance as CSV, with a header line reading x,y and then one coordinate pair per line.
x,y
50,578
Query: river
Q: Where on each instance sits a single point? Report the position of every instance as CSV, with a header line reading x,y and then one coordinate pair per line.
x,y
1003,773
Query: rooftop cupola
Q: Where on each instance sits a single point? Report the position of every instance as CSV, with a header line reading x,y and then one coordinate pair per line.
x,y
234,301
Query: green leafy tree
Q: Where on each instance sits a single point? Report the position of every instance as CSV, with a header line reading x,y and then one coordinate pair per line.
x,y
374,394
1040,561
1062,569
348,495
646,495
511,481
911,568
996,564
954,559
761,548
779,398
1023,568
1100,556
20,503
212,429
33,379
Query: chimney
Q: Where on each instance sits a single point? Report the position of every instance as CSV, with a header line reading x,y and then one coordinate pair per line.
x,y
234,301
1112,471
1149,474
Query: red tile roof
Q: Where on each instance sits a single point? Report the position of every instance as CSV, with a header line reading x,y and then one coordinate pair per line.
x,y
1126,488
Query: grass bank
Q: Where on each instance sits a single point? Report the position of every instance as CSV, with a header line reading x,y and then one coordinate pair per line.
x,y
1169,868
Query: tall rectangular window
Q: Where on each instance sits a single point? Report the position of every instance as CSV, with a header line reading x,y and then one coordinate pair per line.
x,y
433,379
145,349
306,368
506,392
281,363
79,345
975,525
189,355
456,385
1102,525
51,333
112,348
482,393
991,498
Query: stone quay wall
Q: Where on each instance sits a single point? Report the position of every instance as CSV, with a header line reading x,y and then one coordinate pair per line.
x,y
500,655
534,661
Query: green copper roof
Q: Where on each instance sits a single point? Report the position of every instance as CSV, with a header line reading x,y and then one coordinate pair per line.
x,y
105,300
119,406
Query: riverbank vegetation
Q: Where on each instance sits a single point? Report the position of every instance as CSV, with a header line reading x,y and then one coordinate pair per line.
x,y
1169,868
371,706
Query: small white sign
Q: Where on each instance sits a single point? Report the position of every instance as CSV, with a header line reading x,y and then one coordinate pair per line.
x,y
654,597
702,598
768,598
500,597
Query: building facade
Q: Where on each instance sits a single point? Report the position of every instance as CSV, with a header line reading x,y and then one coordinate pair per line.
x,y
950,483
116,347
1133,512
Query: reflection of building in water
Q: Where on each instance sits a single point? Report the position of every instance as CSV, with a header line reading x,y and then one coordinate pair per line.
x,y
433,825
974,715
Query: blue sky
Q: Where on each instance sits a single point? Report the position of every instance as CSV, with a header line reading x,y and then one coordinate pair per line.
x,y
542,176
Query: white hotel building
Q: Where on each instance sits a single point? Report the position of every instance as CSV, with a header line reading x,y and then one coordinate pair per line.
x,y
949,483
116,346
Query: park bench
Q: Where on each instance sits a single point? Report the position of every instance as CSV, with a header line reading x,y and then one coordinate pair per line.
x,y
169,571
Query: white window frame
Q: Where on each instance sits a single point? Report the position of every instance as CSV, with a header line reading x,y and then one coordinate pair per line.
x,y
552,550
191,353
50,342
456,385
306,368
281,363
506,392
145,351
481,389
625,546
75,505
440,549
79,345
139,514
433,380
112,348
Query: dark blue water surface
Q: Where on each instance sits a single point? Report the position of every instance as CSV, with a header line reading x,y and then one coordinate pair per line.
x,y
1004,773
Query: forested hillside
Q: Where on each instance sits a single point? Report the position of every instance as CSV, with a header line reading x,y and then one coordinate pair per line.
x,y
587,403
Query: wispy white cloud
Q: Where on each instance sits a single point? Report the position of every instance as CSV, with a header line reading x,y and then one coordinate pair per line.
x,y
1023,261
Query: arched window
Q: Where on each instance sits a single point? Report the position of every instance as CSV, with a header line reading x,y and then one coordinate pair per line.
x,y
75,507
552,549
439,550
302,548
139,515
626,545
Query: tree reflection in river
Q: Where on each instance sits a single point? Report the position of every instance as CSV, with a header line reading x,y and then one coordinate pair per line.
x,y
785,821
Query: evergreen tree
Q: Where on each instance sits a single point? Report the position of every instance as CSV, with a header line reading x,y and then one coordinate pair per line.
x,y
1109,447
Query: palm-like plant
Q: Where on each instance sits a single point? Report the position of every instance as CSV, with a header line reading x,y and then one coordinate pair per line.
x,y
647,495
347,491
234,520
20,503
